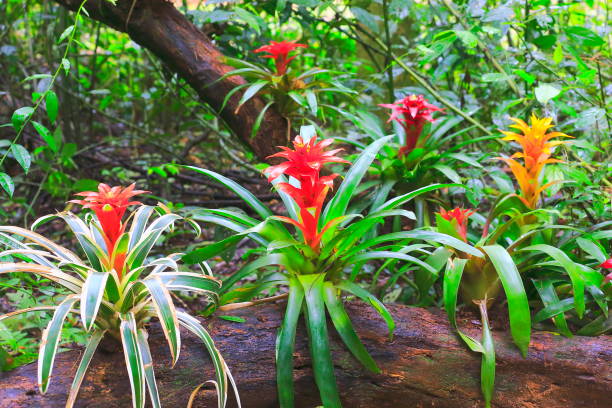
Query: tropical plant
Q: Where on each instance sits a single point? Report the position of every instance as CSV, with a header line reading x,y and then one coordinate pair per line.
x,y
118,289
290,92
321,261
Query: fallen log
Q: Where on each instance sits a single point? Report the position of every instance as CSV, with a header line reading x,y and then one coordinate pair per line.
x,y
158,26
425,365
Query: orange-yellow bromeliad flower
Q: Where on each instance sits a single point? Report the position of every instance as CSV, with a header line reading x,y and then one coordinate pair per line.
x,y
537,149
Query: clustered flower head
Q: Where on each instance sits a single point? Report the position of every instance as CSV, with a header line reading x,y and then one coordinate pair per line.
x,y
411,112
607,264
461,215
304,165
537,148
109,204
279,52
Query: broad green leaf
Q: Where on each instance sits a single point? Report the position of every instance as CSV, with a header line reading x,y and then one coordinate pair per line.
x,y
252,91
550,299
545,92
518,306
52,105
323,366
345,329
22,156
20,116
7,183
50,341
285,344
584,36
46,136
450,287
570,267
91,297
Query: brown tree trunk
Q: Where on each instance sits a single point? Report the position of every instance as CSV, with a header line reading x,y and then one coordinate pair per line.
x,y
424,366
158,26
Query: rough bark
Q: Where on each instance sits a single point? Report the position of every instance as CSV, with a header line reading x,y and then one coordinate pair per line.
x,y
424,366
158,26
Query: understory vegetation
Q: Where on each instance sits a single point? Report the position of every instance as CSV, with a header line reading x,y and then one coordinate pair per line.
x,y
437,154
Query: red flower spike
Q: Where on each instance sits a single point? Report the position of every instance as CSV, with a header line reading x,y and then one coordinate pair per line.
x,y
411,112
461,215
279,52
607,264
304,164
109,205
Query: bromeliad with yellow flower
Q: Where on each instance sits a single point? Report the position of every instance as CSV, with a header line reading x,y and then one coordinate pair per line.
x,y
117,290
537,146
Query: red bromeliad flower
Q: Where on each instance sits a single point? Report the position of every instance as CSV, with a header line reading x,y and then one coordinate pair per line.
x,y
461,215
411,112
109,204
607,264
304,164
279,52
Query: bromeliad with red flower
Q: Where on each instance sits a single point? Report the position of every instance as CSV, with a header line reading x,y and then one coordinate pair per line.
x,y
412,112
279,51
109,204
304,164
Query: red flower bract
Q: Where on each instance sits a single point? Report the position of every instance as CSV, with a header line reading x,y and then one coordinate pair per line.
x,y
109,205
461,215
607,264
304,164
411,112
279,51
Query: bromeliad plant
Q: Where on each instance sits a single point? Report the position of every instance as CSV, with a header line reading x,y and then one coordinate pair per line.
x,y
319,262
291,93
118,290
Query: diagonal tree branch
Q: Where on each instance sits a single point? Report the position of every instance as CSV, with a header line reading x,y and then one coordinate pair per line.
x,y
158,26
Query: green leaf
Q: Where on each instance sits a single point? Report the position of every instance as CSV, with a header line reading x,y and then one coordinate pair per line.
x,y
518,306
311,97
467,38
7,184
550,299
52,105
558,54
487,366
65,33
91,297
47,137
572,270
147,363
494,77
546,92
66,65
450,288
252,91
323,366
584,36
372,300
50,340
235,319
166,313
22,156
260,119
249,18
343,325
133,359
20,116
90,349
285,344
530,79
338,205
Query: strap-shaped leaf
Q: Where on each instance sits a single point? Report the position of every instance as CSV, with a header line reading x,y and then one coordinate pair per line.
x,y
133,359
550,300
252,91
366,296
139,253
96,255
397,201
450,286
518,306
91,297
42,241
573,271
193,325
166,314
147,363
323,366
90,349
69,282
285,344
139,223
487,365
50,340
190,281
240,191
338,205
389,255
343,325
272,259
